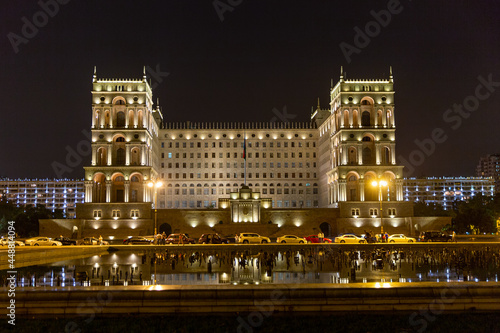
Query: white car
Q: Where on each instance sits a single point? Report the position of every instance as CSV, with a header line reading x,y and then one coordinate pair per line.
x,y
42,241
291,239
248,237
400,238
5,242
350,238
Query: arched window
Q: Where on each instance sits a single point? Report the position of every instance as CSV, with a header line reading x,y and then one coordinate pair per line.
x,y
353,156
120,119
134,179
120,139
387,155
365,118
367,139
120,156
367,156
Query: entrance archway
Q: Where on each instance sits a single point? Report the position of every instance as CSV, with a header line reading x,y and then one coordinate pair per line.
x,y
326,228
165,227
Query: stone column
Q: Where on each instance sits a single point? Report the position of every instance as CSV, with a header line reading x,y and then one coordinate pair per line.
x,y
127,153
342,190
88,190
359,149
108,190
361,187
94,154
393,153
399,190
110,153
127,190
377,153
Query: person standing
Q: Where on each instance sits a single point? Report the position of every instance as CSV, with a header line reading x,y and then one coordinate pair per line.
x,y
100,239
453,235
321,236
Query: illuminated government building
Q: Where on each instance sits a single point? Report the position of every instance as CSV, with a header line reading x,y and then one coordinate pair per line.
x,y
295,177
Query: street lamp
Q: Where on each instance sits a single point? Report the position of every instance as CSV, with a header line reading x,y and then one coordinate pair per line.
x,y
156,184
380,183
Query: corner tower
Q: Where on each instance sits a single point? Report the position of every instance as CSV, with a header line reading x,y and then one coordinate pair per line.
x,y
125,148
358,146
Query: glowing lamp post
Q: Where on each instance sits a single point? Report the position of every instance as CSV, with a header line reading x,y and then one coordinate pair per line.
x,y
156,185
380,184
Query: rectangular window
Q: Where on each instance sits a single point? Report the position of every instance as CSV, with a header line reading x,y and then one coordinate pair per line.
x,y
97,214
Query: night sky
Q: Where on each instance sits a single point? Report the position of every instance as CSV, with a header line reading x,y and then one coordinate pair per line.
x,y
263,55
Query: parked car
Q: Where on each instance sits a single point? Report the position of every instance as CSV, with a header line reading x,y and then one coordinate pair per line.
x,y
179,239
65,240
212,239
291,239
42,241
350,238
435,236
400,238
93,241
5,242
232,238
247,237
315,239
137,240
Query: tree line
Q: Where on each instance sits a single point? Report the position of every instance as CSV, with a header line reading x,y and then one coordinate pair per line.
x,y
477,215
26,217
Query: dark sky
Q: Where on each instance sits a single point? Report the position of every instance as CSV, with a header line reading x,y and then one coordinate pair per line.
x,y
263,55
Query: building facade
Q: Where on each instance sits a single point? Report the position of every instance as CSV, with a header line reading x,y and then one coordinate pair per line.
x,y
53,194
489,166
446,190
314,175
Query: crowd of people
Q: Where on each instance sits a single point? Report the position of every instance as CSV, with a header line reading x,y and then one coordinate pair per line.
x,y
376,238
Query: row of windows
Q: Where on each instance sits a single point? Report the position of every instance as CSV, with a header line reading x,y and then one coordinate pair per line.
x,y
221,144
213,191
207,203
234,175
240,155
116,213
373,212
250,165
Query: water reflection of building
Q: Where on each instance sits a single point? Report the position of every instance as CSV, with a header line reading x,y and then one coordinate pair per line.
x,y
315,176
178,265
